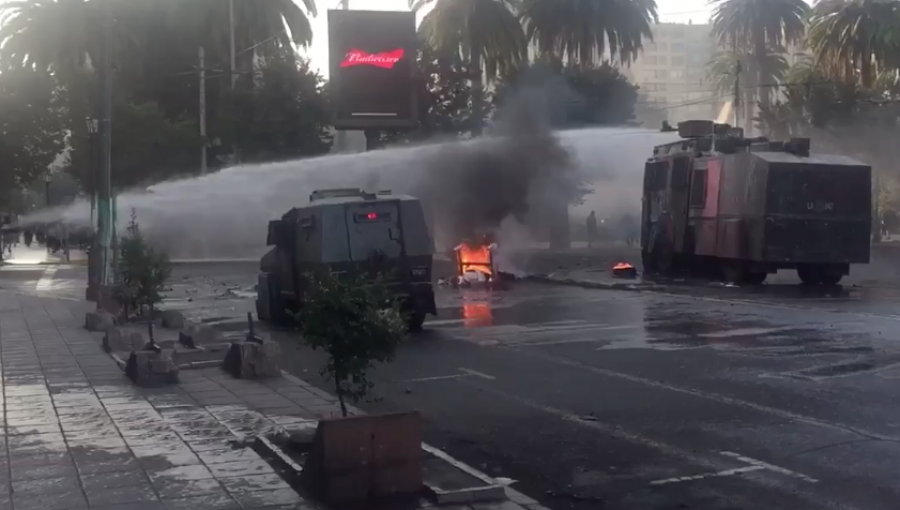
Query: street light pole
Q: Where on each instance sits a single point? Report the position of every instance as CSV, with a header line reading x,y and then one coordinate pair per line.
x,y
47,188
202,63
105,217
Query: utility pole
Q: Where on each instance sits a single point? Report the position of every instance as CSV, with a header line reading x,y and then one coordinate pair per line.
x,y
233,68
202,63
231,43
737,94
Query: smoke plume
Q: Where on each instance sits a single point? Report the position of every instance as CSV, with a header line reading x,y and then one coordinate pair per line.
x,y
513,175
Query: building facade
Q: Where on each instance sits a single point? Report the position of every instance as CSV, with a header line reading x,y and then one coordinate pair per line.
x,y
671,72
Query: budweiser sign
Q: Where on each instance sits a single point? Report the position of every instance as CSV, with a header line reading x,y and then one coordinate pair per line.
x,y
384,60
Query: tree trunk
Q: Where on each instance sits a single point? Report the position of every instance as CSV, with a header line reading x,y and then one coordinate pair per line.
x,y
865,69
763,89
150,324
477,84
340,394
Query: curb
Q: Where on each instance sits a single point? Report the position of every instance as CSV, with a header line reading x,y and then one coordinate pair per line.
x,y
569,282
215,261
492,491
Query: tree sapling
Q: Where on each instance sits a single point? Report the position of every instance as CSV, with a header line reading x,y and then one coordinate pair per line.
x,y
143,273
356,322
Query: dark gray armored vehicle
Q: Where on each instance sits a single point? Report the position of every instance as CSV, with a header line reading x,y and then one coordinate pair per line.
x,y
348,230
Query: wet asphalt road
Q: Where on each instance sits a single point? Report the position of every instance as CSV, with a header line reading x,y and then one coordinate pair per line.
x,y
693,397
622,400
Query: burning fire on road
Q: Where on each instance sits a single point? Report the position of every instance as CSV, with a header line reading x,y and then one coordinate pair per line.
x,y
475,262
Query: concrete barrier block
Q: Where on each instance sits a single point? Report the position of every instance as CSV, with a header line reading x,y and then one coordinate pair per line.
x,y
151,368
99,321
253,360
361,459
173,319
119,339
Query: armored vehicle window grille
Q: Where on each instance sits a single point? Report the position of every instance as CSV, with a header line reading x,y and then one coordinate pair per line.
x,y
655,176
681,173
698,189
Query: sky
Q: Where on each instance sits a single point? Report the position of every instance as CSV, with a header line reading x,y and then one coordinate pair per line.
x,y
675,11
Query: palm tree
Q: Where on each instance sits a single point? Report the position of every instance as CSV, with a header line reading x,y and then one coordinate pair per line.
x,y
760,26
584,31
485,33
856,35
62,37
721,69
270,27
52,35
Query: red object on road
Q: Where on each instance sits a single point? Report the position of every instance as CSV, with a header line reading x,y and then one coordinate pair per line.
x,y
624,270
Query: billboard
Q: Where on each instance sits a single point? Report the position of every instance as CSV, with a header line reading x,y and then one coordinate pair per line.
x,y
372,59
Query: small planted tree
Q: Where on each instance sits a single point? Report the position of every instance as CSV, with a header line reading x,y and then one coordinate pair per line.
x,y
357,323
143,273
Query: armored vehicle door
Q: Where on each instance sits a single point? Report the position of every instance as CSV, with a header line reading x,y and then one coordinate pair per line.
x,y
655,179
374,229
680,190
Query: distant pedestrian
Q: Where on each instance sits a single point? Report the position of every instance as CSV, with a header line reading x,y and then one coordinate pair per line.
x,y
590,226
628,230
889,223
10,240
29,237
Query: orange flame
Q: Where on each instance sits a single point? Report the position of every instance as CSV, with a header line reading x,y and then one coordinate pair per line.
x,y
475,258
622,265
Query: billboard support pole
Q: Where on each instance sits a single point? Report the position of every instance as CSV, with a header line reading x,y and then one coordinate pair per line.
x,y
340,141
372,139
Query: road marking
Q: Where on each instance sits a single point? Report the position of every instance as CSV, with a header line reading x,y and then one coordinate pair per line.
x,y
727,472
668,449
770,467
728,333
444,322
539,343
46,281
772,304
755,465
715,397
469,371
437,378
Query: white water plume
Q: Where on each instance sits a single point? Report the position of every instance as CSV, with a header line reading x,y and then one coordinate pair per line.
x,y
225,214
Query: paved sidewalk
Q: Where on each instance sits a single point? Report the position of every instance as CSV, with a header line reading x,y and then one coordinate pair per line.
x,y
78,435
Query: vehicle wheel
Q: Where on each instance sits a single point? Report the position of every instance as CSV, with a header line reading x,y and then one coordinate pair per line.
x,y
662,262
647,262
755,278
415,321
809,275
261,313
830,278
278,308
734,273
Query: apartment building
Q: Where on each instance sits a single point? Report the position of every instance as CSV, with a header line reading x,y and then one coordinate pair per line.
x,y
671,71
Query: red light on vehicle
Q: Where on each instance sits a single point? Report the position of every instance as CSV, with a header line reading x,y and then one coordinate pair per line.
x,y
372,216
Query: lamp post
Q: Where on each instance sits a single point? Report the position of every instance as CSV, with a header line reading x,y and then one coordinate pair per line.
x,y
105,201
47,188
